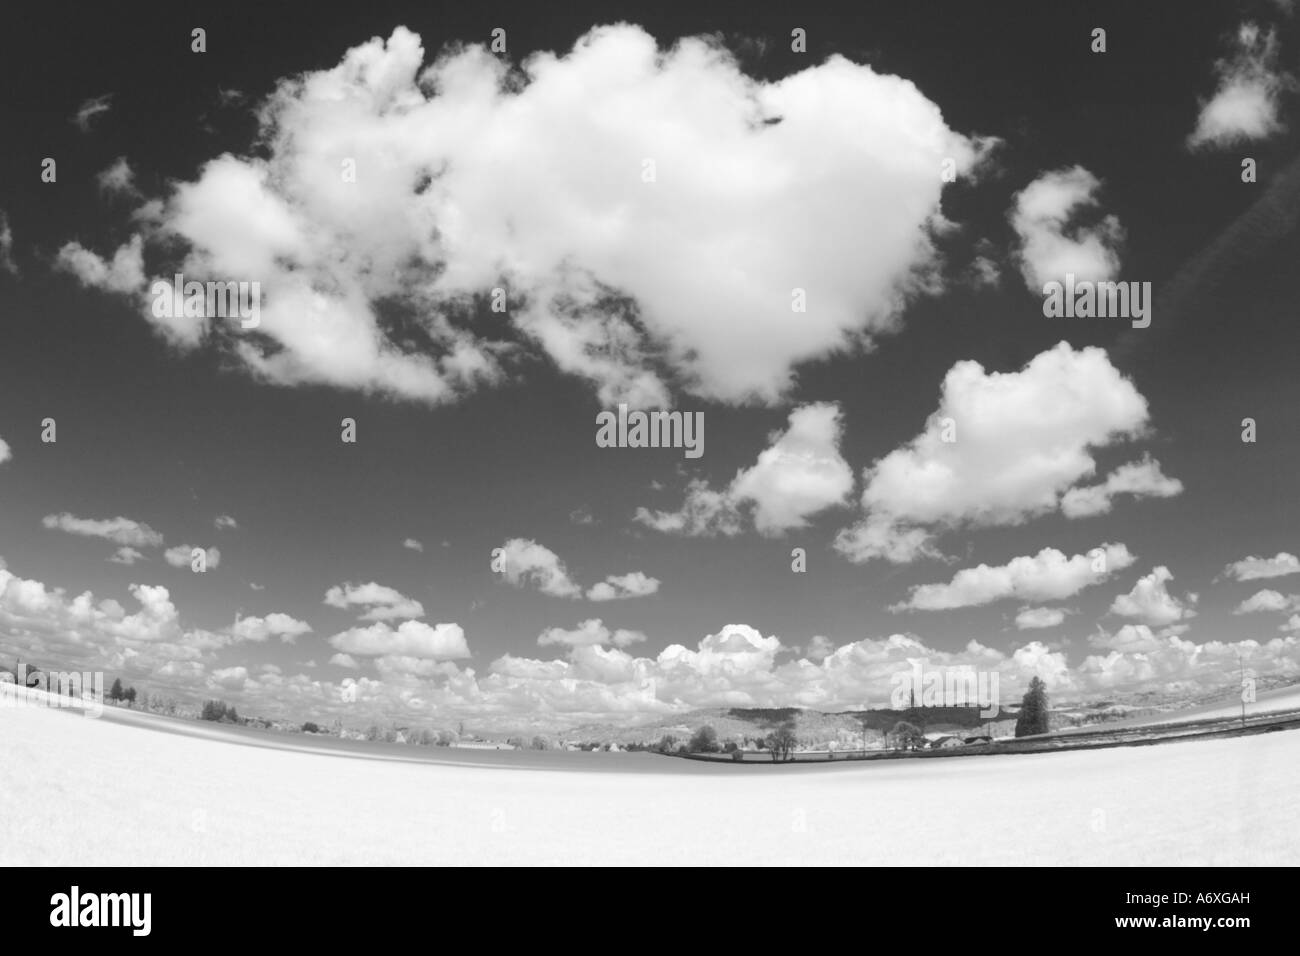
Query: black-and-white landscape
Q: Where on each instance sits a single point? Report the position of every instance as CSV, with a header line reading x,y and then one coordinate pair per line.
x,y
441,434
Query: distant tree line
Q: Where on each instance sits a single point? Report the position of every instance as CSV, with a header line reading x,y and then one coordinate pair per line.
x,y
117,693
780,743
906,736
220,712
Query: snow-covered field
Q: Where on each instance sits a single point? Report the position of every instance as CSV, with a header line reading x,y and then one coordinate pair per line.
x,y
80,791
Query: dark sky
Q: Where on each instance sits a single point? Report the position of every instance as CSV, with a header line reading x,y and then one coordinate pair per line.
x,y
173,437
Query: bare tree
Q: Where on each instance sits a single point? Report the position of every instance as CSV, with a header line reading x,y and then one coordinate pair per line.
x,y
782,741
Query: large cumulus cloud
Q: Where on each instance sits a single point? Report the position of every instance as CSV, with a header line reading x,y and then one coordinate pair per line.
x,y
648,212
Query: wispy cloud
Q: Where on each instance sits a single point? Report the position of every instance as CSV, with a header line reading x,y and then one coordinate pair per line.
x,y
7,263
119,530
91,108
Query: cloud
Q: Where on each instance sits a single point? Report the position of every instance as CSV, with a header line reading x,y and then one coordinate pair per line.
x,y
800,474
413,545
7,263
471,176
1252,568
1046,576
589,632
122,531
1246,102
619,586
230,678
1001,448
1132,639
1268,600
983,273
124,274
5,453
1039,617
1151,602
400,666
91,108
524,563
1140,479
1050,247
259,629
704,513
383,603
126,555
46,624
819,648
595,679
739,667
118,178
225,523
527,562
879,536
410,638
737,649
182,556
1140,658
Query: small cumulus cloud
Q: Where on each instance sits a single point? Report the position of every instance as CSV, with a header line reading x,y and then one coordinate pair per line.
x,y
381,602
1253,568
1053,244
618,586
592,631
525,562
411,638
1247,100
1151,602
260,629
1039,617
1002,448
1046,576
800,474
124,273
118,179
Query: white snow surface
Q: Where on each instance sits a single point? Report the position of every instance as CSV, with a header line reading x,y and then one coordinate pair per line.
x,y
75,791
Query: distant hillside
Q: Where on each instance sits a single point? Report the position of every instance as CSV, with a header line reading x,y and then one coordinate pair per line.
x,y
817,729
813,728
